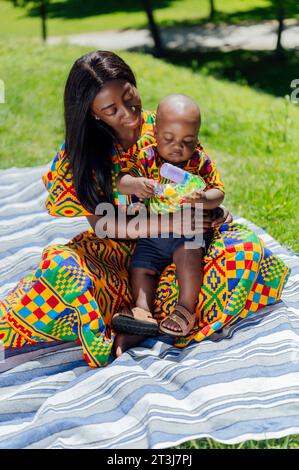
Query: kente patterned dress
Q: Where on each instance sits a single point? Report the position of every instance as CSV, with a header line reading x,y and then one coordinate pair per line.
x,y
77,287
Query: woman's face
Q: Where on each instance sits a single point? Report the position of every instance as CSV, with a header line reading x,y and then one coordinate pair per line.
x,y
118,104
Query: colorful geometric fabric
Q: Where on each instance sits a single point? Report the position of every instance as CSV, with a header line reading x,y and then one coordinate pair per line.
x,y
147,163
248,375
63,201
77,287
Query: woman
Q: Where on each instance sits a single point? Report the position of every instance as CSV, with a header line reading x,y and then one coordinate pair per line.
x,y
76,289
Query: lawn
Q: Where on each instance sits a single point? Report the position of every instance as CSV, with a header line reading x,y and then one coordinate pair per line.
x,y
253,136
75,16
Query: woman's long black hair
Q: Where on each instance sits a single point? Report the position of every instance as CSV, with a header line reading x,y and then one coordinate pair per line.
x,y
88,142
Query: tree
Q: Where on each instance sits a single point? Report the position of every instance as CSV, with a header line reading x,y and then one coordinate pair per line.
x,y
283,9
212,10
42,7
147,5
158,45
43,15
280,18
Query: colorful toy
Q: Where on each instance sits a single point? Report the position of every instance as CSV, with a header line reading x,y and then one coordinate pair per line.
x,y
169,195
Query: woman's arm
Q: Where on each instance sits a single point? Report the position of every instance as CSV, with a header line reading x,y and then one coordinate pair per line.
x,y
223,216
62,200
118,227
143,225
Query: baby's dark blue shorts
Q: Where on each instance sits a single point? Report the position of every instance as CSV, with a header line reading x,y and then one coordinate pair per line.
x,y
156,253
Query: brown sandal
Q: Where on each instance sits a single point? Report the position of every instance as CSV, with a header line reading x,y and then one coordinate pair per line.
x,y
135,321
183,318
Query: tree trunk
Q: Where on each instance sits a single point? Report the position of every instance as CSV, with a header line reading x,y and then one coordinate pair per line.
x,y
158,47
43,14
280,19
212,10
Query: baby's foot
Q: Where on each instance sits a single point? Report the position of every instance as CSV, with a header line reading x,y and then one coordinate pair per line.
x,y
171,324
179,323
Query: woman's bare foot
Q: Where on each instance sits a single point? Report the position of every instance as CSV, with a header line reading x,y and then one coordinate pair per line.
x,y
123,341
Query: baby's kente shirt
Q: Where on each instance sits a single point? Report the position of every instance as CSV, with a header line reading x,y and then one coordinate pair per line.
x,y
147,163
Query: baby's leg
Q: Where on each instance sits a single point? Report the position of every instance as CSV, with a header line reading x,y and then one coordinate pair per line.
x,y
144,283
189,270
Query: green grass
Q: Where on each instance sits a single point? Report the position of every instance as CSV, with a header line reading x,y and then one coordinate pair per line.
x,y
75,16
252,136
255,68
289,442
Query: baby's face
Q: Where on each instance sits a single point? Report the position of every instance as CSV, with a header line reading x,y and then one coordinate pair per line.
x,y
177,139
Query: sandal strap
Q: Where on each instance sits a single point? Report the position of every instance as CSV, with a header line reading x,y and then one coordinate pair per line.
x,y
179,321
141,314
137,313
186,315
183,320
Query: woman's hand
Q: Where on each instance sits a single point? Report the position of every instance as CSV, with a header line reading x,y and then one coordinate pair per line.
x,y
144,187
206,220
189,223
222,216
216,217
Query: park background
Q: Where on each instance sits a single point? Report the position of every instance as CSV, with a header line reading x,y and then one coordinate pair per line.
x,y
250,123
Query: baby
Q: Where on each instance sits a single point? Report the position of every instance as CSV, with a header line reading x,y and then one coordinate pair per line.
x,y
176,134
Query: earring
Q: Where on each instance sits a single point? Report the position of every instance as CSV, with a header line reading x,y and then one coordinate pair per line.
x,y
97,118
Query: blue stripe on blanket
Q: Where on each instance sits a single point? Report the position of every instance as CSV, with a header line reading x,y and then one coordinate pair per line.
x,y
238,385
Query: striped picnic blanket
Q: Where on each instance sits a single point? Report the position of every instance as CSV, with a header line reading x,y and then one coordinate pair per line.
x,y
238,385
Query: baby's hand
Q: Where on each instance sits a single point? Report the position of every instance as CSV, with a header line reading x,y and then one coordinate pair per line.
x,y
144,187
196,197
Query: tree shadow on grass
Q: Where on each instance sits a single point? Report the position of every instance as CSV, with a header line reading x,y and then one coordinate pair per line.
x,y
255,15
261,70
76,9
258,14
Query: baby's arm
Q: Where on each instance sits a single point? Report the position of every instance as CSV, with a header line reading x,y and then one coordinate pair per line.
x,y
140,186
211,198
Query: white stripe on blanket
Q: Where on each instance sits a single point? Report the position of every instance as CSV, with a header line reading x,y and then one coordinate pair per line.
x,y
243,384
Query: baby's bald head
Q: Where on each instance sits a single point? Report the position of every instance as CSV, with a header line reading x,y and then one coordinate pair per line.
x,y
177,124
179,107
